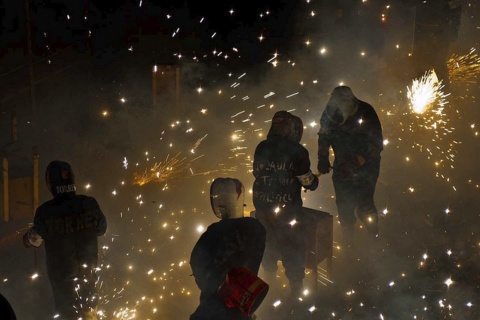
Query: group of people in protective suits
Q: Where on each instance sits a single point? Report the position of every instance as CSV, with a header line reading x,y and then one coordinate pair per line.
x,y
227,257
282,168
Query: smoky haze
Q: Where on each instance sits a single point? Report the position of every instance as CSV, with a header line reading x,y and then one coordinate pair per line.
x,y
96,111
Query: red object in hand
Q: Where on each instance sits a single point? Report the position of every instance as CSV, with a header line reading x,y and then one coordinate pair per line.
x,y
243,290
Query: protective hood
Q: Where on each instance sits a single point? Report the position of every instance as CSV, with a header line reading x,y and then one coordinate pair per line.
x,y
296,132
285,124
342,104
59,178
227,197
281,124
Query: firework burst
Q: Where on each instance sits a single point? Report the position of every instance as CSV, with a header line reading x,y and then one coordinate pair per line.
x,y
426,92
464,68
162,171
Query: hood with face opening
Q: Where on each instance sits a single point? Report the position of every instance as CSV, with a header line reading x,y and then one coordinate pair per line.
x,y
285,124
296,132
227,198
59,178
342,104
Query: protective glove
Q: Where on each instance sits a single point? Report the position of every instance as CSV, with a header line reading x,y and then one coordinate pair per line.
x,y
32,239
314,184
323,165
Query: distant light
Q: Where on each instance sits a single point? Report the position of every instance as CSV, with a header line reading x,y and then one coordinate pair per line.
x,y
448,282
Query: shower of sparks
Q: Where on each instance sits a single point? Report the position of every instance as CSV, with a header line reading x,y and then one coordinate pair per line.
x,y
426,92
430,128
464,68
162,171
145,284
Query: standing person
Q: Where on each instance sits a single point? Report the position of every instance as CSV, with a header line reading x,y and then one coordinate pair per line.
x,y
231,243
436,26
69,224
352,128
281,167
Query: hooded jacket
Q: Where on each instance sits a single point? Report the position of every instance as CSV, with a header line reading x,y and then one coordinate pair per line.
x,y
359,135
281,166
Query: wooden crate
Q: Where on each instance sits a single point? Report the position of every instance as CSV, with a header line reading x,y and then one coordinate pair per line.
x,y
318,240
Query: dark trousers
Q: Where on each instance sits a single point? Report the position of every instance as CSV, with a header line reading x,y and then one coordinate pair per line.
x,y
213,308
355,194
285,242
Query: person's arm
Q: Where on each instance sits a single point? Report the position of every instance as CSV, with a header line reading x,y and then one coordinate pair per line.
x,y
101,227
375,136
324,143
33,237
91,206
303,173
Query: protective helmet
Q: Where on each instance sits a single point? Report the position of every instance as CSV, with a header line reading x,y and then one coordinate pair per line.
x,y
281,124
59,178
342,104
227,197
296,132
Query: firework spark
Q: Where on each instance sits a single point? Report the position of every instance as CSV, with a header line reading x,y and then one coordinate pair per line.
x,y
464,68
426,92
162,171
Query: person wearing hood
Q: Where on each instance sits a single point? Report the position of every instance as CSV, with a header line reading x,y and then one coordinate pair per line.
x,y
281,168
227,253
353,130
69,225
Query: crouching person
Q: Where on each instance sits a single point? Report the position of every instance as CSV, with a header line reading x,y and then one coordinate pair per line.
x,y
226,259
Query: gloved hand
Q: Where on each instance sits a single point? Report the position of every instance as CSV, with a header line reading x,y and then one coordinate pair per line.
x,y
323,165
313,185
32,239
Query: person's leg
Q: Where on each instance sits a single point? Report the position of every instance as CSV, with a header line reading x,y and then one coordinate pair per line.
x,y
214,308
271,254
366,210
345,198
65,298
292,247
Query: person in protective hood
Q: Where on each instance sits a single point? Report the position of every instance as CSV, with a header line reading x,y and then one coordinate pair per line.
x,y
235,243
69,225
353,130
281,168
